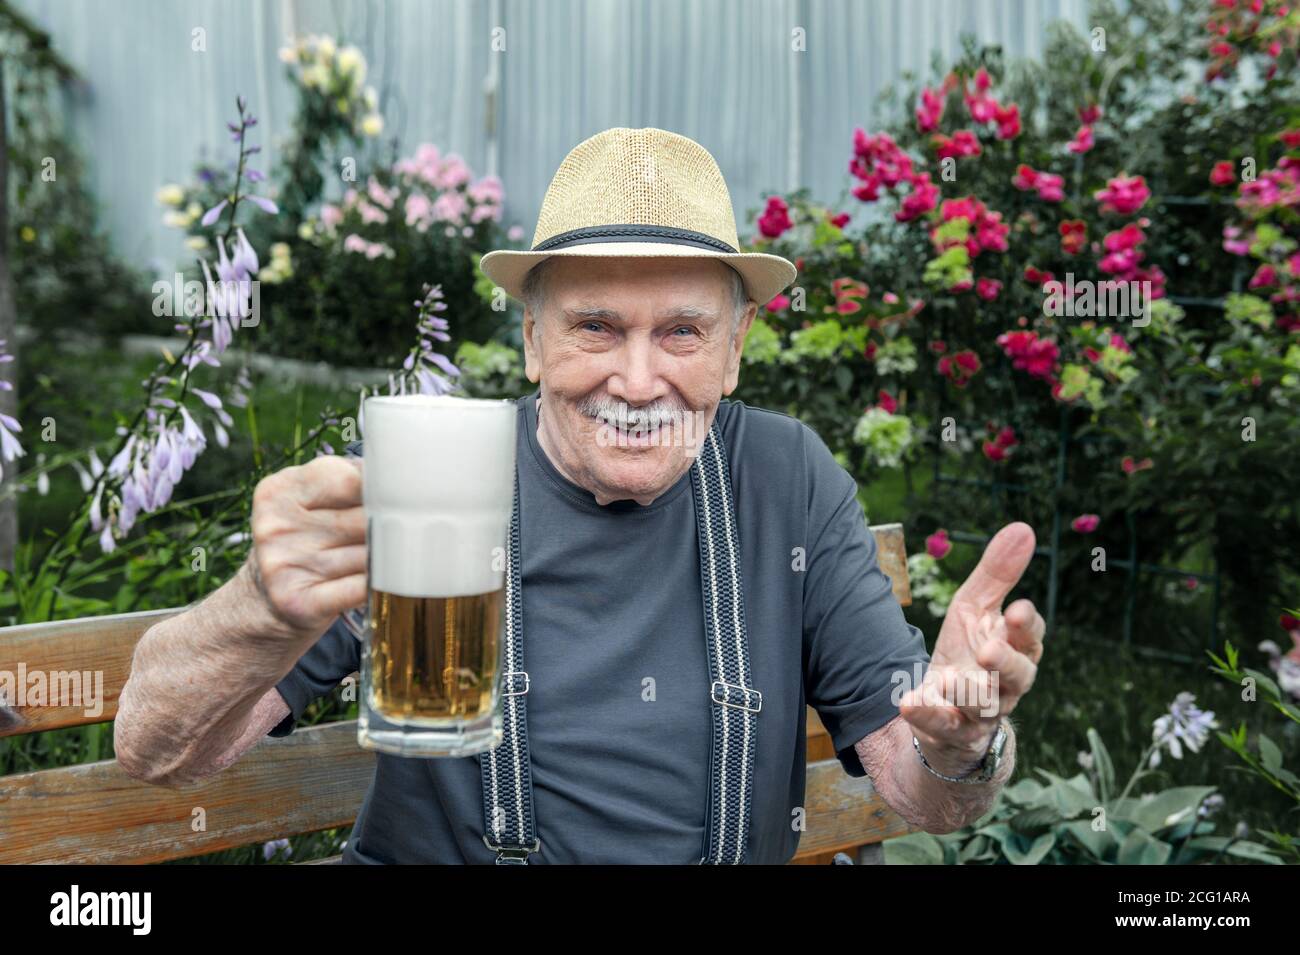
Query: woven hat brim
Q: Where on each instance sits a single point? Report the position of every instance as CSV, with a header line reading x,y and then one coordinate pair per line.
x,y
765,275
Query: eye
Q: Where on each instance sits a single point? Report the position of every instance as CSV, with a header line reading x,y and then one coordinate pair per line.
x,y
592,327
683,328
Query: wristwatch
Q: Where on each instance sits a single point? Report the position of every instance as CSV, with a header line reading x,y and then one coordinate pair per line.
x,y
987,767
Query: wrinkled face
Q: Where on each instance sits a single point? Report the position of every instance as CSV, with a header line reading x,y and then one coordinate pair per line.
x,y
633,356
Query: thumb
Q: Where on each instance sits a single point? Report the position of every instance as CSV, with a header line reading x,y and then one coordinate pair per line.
x,y
1000,569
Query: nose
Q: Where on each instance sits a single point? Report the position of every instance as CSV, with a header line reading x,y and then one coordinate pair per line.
x,y
637,380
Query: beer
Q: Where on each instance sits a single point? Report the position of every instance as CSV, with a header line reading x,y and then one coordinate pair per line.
x,y
437,488
434,659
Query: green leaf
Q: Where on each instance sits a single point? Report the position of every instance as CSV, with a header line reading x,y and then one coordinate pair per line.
x,y
1102,764
915,848
1018,853
1139,848
1099,844
1269,754
1169,808
1241,848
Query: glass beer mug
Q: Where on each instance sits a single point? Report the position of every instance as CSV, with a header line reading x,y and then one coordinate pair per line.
x,y
438,489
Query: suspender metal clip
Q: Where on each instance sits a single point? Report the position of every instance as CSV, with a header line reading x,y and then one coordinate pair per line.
x,y
749,698
513,854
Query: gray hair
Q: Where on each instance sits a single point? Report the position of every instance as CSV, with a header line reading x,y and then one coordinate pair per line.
x,y
533,291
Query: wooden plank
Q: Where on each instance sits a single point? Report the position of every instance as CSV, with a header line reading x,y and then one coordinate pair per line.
x,y
104,645
891,555
843,812
313,779
94,645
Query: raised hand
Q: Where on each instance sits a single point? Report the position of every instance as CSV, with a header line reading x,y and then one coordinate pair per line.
x,y
984,661
309,542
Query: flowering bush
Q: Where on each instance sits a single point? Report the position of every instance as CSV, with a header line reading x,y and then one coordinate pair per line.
x,y
129,491
1020,232
340,253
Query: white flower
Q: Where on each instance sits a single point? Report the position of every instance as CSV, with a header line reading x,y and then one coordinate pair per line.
x,y
170,195
352,64
372,125
1184,724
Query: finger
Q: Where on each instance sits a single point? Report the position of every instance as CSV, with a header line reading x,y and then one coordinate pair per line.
x,y
329,481
343,594
972,693
333,526
1013,671
335,562
940,721
1000,569
1026,629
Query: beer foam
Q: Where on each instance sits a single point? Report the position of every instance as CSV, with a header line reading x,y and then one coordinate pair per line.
x,y
438,489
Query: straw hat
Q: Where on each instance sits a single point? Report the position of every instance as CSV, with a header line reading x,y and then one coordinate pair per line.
x,y
639,192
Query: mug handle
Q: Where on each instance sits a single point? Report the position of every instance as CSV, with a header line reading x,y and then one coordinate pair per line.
x,y
355,621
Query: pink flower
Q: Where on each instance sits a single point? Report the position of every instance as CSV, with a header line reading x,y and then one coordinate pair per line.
x,y
962,143
1085,523
930,111
1123,195
937,544
839,221
988,289
887,401
1290,138
982,79
1029,353
775,218
1026,178
778,303
1006,437
1050,187
1088,115
1008,121
1073,236
922,199
994,451
1264,276
1082,141
1233,243
1130,466
1037,276
1223,174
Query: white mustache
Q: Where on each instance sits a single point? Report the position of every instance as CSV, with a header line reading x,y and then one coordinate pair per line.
x,y
626,418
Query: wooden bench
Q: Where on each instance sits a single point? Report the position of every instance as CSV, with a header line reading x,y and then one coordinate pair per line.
x,y
312,780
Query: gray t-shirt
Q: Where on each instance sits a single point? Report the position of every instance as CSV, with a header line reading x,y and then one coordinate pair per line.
x,y
612,600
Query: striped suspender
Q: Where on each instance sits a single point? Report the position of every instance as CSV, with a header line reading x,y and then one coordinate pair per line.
x,y
510,827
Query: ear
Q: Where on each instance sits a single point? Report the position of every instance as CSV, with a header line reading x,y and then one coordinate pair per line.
x,y
732,376
532,361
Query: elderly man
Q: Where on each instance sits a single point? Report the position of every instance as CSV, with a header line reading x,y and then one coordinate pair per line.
x,y
681,602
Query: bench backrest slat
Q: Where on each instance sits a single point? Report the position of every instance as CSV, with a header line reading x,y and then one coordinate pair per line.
x,y
314,779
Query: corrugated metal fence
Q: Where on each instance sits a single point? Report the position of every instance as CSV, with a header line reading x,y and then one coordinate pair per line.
x,y
719,71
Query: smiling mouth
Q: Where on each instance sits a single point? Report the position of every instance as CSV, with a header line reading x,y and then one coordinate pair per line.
x,y
623,434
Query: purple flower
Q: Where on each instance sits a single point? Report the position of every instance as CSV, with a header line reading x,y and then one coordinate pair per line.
x,y
207,397
213,214
266,205
245,259
442,362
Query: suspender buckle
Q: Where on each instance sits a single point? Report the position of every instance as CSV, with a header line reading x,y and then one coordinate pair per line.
x,y
513,678
750,699
512,854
